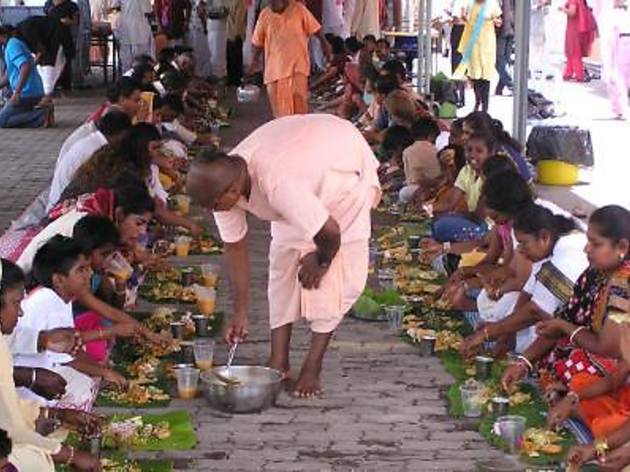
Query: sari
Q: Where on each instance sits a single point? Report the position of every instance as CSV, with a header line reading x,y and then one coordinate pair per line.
x,y
594,297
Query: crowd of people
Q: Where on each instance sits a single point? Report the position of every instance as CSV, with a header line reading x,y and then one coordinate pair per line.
x,y
534,279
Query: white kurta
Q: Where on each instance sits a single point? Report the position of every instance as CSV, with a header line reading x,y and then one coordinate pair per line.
x,y
198,40
133,30
217,41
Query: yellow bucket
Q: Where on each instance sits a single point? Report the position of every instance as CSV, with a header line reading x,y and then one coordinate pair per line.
x,y
557,173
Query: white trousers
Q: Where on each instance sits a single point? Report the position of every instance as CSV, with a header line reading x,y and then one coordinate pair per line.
x,y
50,74
198,40
217,44
129,51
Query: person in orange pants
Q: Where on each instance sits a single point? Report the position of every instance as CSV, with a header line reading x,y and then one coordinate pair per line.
x,y
282,32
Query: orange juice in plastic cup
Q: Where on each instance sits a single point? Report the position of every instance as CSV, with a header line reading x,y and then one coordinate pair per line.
x,y
204,353
210,275
183,204
206,299
182,246
117,265
187,381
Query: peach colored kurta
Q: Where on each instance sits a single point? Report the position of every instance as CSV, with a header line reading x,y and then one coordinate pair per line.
x,y
284,38
305,169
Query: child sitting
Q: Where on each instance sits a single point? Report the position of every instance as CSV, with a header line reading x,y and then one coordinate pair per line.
x,y
64,274
422,168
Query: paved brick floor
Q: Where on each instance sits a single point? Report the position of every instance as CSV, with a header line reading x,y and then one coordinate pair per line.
x,y
383,409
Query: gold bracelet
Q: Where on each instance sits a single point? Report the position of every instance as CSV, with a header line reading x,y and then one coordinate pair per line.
x,y
70,457
601,447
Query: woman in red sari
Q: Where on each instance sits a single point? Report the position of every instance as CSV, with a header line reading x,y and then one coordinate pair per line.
x,y
580,34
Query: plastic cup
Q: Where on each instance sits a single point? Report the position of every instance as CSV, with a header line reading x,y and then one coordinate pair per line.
x,y
395,315
117,265
183,204
471,401
182,246
188,277
427,346
187,352
210,275
187,382
483,368
201,326
204,353
177,329
500,406
215,128
511,429
386,279
206,299
413,241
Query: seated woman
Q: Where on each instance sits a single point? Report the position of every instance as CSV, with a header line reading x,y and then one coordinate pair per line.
x,y
574,349
31,451
504,195
449,226
63,273
555,250
136,156
130,207
480,122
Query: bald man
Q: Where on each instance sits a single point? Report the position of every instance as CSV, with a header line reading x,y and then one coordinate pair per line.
x,y
314,178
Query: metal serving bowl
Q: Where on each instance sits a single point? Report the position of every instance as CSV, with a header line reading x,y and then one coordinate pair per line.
x,y
255,389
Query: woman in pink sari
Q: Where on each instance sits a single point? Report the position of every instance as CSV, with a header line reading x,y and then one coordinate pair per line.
x,y
580,34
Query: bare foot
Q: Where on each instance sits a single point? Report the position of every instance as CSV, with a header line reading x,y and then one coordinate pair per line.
x,y
308,385
281,366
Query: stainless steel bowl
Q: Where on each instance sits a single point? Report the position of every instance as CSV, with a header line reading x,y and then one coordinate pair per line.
x,y
256,390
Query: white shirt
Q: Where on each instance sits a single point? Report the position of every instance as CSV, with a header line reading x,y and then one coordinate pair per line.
x,y
133,25
568,258
70,162
43,310
78,134
186,135
63,225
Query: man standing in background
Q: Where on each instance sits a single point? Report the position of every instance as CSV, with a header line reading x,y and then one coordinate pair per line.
x,y
236,24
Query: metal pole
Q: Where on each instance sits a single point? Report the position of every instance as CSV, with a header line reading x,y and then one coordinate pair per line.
x,y
427,47
420,71
522,17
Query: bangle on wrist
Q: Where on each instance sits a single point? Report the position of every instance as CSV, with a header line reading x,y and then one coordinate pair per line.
x,y
526,362
575,333
33,377
574,396
601,447
70,456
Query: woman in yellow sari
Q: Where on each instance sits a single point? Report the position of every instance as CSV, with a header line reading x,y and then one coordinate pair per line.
x,y
18,417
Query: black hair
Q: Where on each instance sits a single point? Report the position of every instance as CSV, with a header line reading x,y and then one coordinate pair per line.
x,y
113,122
58,256
613,222
337,45
487,139
124,87
329,36
386,84
132,196
179,50
460,155
174,102
142,59
353,45
533,219
396,138
507,192
12,276
166,55
7,30
497,164
395,68
6,445
425,128
369,37
482,122
383,41
458,125
174,80
139,70
95,232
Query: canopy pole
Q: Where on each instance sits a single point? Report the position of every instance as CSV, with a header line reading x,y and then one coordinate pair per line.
x,y
522,17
